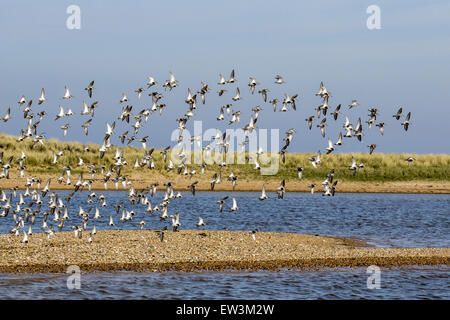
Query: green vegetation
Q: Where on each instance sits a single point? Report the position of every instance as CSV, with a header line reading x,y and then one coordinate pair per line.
x,y
377,167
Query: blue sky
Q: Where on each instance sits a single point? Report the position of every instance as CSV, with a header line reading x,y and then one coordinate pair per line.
x,y
405,63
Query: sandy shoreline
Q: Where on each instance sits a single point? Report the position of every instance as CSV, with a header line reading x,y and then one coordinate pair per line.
x,y
188,250
181,182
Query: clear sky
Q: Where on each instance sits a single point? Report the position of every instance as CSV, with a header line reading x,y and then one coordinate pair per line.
x,y
405,63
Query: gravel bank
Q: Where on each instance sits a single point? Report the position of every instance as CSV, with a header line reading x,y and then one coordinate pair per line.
x,y
142,250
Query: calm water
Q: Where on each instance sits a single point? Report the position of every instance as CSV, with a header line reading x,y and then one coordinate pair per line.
x,y
342,283
384,220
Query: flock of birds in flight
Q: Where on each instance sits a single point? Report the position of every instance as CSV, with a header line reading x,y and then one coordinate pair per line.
x,y
26,212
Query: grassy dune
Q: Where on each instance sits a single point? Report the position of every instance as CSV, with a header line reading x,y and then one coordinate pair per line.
x,y
378,167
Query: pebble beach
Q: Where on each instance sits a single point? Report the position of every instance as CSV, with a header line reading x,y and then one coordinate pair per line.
x,y
189,250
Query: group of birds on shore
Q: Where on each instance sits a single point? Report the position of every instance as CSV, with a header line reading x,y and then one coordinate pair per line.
x,y
27,211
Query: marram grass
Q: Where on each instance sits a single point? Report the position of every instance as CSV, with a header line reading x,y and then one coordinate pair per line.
x,y
377,167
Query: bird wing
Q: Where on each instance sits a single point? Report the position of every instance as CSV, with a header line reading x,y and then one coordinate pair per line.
x,y
232,74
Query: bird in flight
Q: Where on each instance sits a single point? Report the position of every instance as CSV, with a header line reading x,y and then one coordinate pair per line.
x,y
90,88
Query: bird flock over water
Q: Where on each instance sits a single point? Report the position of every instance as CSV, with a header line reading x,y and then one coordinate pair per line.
x,y
33,202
